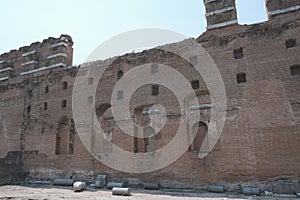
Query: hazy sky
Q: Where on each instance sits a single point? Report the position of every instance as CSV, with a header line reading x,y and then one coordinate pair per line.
x,y
91,22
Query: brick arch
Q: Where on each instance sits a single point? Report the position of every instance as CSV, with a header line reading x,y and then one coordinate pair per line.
x,y
64,141
105,118
107,124
103,113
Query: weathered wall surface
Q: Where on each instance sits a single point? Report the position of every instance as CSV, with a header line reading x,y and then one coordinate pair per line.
x,y
261,136
11,168
260,139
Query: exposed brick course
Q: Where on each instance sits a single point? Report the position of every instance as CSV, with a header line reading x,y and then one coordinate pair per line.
x,y
260,139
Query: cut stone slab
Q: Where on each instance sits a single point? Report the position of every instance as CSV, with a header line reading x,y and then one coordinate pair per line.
x,y
121,191
111,185
151,185
250,191
216,188
63,182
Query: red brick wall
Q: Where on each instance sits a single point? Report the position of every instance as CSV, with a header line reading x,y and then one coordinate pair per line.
x,y
260,139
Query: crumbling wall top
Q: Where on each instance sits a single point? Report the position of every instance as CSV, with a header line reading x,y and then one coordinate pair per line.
x,y
38,56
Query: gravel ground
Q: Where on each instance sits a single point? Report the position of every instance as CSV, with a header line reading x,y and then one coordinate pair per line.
x,y
55,193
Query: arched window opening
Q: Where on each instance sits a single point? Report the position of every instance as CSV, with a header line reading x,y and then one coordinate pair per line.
x,y
107,123
64,143
120,74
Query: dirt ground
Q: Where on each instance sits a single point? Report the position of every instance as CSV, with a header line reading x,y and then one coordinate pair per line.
x,y
58,193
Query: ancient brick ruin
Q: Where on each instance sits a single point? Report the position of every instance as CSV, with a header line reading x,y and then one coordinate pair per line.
x,y
260,67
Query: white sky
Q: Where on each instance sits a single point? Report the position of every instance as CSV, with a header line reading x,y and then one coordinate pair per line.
x,y
91,22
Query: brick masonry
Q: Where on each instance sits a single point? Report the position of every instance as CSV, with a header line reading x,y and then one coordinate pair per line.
x,y
260,140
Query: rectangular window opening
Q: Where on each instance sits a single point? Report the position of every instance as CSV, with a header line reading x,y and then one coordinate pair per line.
x,y
155,90
195,84
291,43
295,70
46,89
238,53
64,103
28,109
45,106
241,78
65,85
